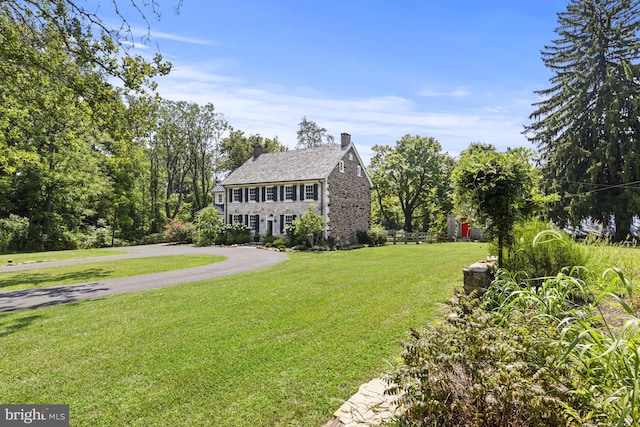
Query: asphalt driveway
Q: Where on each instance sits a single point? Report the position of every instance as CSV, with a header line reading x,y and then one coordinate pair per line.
x,y
238,260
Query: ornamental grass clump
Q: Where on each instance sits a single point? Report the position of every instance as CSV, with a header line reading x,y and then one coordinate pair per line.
x,y
549,355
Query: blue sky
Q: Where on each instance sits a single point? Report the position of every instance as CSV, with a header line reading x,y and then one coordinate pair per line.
x,y
459,71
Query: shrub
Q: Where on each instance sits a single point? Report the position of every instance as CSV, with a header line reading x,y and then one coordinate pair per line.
x,y
470,371
361,237
541,250
179,232
208,226
377,236
278,242
235,234
524,355
268,240
13,232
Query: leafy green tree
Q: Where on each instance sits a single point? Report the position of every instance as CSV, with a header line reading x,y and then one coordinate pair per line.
x,y
237,148
408,178
500,189
587,127
311,135
309,226
67,139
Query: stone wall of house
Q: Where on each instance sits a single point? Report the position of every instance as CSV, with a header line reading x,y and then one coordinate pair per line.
x,y
349,195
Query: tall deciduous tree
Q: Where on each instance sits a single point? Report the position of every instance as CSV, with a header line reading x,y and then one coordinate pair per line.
x,y
310,134
408,176
238,148
587,126
498,189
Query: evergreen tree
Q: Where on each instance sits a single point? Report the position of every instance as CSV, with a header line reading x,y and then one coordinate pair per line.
x,y
587,127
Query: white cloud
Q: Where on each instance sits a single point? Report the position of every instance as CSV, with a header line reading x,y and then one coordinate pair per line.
x,y
275,110
455,93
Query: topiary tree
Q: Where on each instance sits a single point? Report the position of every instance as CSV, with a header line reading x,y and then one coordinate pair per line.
x,y
500,188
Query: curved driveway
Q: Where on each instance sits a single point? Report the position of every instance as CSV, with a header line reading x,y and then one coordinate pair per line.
x,y
238,260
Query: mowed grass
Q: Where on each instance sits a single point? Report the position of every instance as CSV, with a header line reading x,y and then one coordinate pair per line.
x,y
21,258
284,346
101,270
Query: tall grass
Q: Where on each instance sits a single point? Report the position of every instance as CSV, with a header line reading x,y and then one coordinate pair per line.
x,y
546,353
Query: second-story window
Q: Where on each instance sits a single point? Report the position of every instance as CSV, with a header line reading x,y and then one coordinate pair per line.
x,y
341,165
288,192
308,192
220,201
269,193
359,170
237,194
252,194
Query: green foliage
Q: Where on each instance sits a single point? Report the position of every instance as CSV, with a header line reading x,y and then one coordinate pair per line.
x,y
586,126
309,226
278,242
179,232
499,188
235,234
208,226
13,232
411,182
311,135
541,250
237,148
543,355
479,369
376,236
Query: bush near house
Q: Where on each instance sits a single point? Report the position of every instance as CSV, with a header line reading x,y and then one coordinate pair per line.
x,y
179,232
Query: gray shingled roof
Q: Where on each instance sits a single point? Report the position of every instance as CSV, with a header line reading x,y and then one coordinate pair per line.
x,y
295,165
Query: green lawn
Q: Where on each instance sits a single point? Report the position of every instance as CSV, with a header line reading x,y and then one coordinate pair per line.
x,y
102,270
57,255
284,346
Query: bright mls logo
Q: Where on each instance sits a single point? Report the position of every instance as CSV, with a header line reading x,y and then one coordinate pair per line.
x,y
34,415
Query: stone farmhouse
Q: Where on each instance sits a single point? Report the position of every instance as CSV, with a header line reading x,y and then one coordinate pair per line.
x,y
270,190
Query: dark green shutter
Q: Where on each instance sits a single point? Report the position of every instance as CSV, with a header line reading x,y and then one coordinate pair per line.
x,y
281,224
315,191
258,223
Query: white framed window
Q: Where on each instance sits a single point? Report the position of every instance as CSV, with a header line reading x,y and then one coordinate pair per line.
x,y
269,194
350,157
359,170
220,200
308,192
342,166
288,192
252,194
236,219
237,194
253,220
288,220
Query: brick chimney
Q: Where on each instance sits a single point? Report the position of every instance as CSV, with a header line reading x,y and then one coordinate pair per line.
x,y
257,151
345,139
